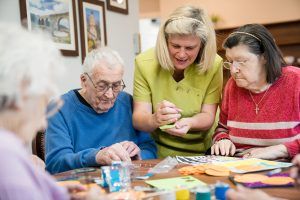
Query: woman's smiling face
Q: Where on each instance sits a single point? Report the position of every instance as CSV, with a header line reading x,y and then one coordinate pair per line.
x,y
183,50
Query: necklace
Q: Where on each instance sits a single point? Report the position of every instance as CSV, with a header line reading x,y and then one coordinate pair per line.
x,y
257,104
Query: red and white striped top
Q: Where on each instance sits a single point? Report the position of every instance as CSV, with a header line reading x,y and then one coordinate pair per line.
x,y
278,119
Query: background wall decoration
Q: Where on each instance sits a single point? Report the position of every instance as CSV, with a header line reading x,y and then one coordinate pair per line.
x,y
55,17
92,25
120,6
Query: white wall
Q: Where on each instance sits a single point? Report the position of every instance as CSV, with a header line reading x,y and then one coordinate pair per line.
x,y
148,31
120,29
235,13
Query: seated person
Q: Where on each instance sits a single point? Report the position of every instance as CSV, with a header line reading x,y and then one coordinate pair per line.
x,y
94,126
259,116
243,193
27,63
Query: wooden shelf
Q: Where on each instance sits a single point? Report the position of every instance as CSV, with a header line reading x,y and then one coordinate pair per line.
x,y
286,35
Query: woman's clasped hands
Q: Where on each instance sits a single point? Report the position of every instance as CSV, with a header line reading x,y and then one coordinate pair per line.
x,y
167,113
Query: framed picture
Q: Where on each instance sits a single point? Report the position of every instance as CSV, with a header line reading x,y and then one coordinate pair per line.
x,y
92,25
120,6
56,17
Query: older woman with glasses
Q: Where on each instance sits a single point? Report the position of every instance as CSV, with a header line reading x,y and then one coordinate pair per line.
x,y
260,113
94,126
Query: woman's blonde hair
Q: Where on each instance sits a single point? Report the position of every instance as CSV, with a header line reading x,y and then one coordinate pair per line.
x,y
188,20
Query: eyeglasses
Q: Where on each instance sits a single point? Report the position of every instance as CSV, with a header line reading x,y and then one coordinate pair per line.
x,y
227,65
104,87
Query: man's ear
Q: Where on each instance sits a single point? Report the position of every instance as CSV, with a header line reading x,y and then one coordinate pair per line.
x,y
83,80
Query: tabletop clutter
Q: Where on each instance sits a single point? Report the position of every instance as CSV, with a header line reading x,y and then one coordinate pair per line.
x,y
117,178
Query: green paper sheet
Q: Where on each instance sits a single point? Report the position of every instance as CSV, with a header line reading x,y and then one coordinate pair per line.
x,y
167,126
172,183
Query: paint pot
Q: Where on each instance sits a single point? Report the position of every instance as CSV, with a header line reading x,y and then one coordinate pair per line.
x,y
220,190
202,193
182,194
114,179
170,195
104,173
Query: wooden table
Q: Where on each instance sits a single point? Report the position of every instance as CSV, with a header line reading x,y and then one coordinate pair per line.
x,y
282,192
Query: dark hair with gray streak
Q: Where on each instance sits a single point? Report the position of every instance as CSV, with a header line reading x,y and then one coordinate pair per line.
x,y
260,42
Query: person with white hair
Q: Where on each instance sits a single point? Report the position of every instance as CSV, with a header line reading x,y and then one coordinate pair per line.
x,y
29,62
94,126
179,84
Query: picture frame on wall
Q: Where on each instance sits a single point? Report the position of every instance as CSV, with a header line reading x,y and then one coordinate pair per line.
x,y
55,17
92,25
120,6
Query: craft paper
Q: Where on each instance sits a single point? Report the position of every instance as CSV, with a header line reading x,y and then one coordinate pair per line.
x,y
173,183
253,165
196,160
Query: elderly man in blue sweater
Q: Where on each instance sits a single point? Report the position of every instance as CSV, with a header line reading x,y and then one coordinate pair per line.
x,y
94,126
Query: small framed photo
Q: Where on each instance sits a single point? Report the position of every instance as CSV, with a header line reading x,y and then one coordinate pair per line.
x,y
92,25
120,6
56,17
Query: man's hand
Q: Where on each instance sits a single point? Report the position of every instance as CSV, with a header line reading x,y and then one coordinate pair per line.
x,y
115,152
132,149
223,147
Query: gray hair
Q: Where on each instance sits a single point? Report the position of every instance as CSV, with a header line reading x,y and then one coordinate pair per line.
x,y
188,20
105,55
28,64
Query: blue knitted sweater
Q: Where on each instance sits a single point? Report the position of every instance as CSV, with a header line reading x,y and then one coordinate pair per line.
x,y
76,133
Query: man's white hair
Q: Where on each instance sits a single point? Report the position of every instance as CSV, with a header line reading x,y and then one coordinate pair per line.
x,y
29,62
105,55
